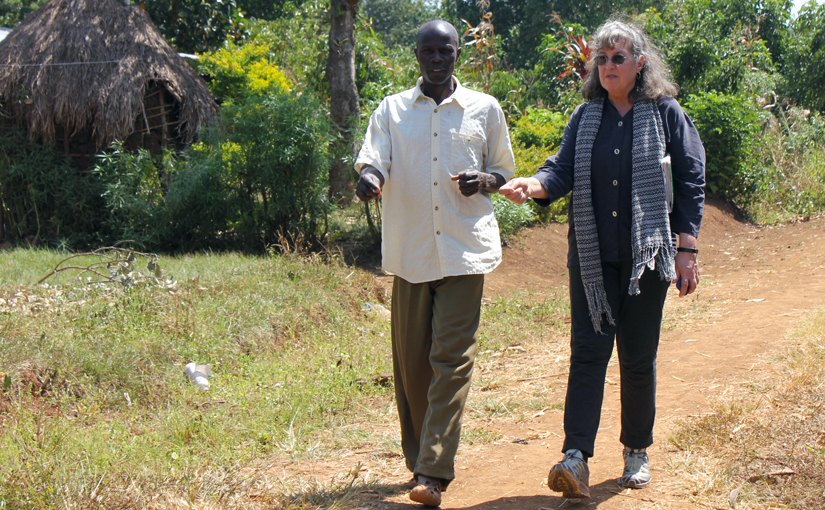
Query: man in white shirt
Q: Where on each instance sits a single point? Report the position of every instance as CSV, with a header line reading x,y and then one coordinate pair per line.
x,y
428,152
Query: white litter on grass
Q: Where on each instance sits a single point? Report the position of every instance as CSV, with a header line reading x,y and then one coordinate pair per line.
x,y
199,374
377,310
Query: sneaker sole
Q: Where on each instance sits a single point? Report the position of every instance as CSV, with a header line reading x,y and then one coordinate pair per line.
x,y
632,484
562,481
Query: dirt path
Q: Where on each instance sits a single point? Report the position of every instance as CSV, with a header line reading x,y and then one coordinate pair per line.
x,y
756,283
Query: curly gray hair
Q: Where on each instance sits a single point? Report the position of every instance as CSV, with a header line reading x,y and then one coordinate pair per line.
x,y
652,82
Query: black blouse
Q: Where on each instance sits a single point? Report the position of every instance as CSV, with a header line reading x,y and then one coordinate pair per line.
x,y
611,177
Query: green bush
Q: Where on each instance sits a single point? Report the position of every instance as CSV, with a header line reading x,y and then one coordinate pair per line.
x,y
730,127
259,182
243,71
44,198
539,127
133,185
511,217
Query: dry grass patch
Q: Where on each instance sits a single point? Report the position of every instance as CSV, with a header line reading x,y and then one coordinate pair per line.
x,y
767,448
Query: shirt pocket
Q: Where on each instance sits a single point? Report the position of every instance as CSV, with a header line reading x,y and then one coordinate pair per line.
x,y
466,151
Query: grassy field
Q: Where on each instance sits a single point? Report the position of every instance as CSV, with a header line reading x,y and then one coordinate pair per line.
x,y
96,412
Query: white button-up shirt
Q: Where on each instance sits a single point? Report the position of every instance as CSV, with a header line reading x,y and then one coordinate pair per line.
x,y
430,230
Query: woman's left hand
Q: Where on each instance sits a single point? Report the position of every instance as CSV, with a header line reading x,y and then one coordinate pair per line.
x,y
687,266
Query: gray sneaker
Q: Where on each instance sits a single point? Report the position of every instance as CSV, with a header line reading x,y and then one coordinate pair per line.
x,y
571,476
636,469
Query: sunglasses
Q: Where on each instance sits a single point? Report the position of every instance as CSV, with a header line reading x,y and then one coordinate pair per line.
x,y
617,59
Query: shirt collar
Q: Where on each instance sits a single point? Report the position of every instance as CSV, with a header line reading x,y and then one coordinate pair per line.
x,y
459,95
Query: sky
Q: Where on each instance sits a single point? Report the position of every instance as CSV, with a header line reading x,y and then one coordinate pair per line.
x,y
799,3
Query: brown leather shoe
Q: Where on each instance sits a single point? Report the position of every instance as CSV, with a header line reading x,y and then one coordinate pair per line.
x,y
427,492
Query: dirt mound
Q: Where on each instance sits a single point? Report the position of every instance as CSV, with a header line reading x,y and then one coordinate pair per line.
x,y
536,258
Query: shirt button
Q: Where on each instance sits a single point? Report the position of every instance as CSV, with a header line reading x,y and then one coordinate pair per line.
x,y
615,183
435,159
435,134
615,214
615,151
620,123
435,111
436,208
435,184
438,232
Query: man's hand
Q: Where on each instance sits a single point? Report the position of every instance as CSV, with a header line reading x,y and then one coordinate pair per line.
x,y
469,183
369,185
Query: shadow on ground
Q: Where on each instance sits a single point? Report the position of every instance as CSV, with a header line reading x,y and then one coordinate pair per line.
x,y
386,497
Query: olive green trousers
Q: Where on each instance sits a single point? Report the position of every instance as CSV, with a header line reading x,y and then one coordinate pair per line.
x,y
434,343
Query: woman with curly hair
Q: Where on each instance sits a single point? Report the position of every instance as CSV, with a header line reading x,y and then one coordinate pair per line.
x,y
623,252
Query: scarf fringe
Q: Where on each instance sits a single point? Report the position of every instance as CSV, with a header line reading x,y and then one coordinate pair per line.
x,y
660,256
598,305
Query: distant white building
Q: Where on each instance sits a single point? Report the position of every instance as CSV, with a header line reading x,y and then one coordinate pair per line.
x,y
4,32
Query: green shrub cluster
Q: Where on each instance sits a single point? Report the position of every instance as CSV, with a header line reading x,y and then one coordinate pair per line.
x,y
242,71
43,197
257,180
730,126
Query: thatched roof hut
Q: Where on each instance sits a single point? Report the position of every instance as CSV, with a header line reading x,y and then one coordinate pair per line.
x,y
86,72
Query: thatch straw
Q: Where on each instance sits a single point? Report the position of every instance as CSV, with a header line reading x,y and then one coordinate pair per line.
x,y
79,63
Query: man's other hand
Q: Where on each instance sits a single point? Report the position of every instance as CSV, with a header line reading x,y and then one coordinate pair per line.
x,y
369,184
469,183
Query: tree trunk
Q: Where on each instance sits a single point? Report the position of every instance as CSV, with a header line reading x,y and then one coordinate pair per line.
x,y
343,108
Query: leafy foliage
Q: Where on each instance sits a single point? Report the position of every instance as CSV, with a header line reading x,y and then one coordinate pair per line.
x,y
396,21
133,185
511,217
260,182
44,198
523,23
197,25
12,12
543,128
730,127
240,71
804,61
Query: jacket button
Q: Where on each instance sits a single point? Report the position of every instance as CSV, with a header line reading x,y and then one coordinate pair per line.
x,y
615,214
616,151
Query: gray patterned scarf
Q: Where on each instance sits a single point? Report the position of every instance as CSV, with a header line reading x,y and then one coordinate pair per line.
x,y
650,229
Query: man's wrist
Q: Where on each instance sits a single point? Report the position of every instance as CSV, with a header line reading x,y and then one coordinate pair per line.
x,y
491,182
370,170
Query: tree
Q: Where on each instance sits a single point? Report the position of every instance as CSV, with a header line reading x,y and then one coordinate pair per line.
x,y
343,106
522,23
396,21
196,25
804,62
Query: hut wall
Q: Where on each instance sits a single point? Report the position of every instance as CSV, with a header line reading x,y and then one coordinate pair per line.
x,y
160,114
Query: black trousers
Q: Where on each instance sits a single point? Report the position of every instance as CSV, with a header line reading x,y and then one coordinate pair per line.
x,y
636,333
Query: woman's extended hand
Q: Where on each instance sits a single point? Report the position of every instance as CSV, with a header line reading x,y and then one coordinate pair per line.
x,y
520,189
